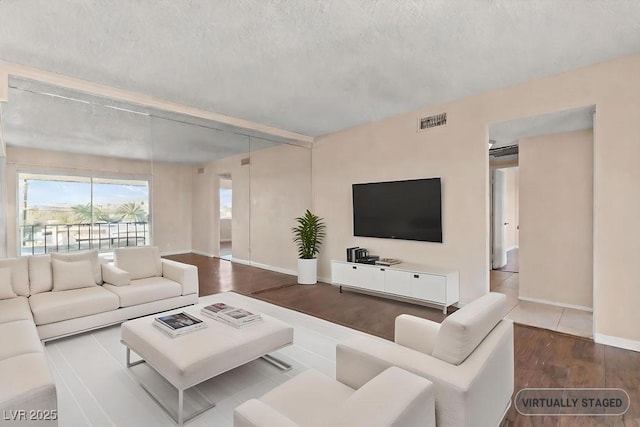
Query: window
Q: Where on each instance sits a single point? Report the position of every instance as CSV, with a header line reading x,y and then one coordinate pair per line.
x,y
59,213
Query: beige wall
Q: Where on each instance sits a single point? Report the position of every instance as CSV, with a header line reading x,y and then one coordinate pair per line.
x,y
280,192
267,195
457,152
556,217
170,186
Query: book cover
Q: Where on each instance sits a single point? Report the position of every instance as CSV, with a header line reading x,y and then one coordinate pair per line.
x,y
231,323
238,316
172,333
178,320
217,307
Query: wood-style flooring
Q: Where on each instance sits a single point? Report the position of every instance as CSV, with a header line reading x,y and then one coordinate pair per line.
x,y
542,358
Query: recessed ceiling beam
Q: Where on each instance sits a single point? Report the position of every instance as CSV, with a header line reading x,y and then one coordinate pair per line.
x,y
31,73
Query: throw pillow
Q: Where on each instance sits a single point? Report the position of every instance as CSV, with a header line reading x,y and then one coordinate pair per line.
x,y
19,274
90,255
72,275
6,290
40,278
141,261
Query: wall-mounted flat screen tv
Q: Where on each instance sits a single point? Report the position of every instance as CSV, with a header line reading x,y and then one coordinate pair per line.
x,y
407,210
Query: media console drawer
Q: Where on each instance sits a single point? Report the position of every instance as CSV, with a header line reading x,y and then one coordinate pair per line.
x,y
408,281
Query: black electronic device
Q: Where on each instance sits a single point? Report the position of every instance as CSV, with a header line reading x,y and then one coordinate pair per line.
x,y
371,259
407,210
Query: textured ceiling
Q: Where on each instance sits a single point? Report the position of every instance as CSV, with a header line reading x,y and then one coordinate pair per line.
x,y
315,67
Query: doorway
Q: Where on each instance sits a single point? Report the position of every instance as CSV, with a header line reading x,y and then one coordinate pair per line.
x,y
225,194
544,267
505,219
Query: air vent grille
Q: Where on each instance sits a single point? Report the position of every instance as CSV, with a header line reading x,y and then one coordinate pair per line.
x,y
432,121
504,151
245,161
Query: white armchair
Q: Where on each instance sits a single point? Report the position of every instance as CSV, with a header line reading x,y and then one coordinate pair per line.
x,y
393,398
469,358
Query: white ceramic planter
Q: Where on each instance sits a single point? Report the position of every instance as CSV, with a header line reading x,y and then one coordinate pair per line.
x,y
307,271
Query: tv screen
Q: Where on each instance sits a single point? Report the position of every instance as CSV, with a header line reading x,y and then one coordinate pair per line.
x,y
407,210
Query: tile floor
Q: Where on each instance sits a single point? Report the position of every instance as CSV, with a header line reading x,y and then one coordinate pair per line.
x,y
566,320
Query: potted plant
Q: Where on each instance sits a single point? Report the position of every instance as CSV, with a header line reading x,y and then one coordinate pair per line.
x,y
308,236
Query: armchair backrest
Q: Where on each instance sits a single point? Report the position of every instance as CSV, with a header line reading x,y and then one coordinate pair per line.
x,y
139,261
464,330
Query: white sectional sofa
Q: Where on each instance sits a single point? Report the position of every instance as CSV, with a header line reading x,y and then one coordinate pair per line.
x,y
51,296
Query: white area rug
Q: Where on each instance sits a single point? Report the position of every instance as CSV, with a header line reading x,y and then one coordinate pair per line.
x,y
95,387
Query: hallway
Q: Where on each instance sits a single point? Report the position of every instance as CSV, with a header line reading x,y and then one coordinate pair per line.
x,y
559,319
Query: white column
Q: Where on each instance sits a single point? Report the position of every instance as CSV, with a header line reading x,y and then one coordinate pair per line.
x,y
3,190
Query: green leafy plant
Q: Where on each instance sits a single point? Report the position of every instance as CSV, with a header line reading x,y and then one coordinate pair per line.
x,y
308,235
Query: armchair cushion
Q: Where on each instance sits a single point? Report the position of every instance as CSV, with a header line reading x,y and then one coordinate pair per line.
x,y
393,398
140,261
464,330
255,412
307,398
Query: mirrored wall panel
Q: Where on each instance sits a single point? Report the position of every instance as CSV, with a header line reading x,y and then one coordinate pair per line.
x,y
84,171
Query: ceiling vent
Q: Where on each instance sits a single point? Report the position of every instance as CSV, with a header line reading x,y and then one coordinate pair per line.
x,y
432,121
504,151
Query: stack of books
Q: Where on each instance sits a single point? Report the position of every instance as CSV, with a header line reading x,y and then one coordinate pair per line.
x,y
177,324
237,317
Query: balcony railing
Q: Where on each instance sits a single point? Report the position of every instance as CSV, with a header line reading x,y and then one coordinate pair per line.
x,y
42,239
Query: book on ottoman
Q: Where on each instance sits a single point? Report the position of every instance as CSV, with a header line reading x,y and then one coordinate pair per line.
x,y
178,324
234,316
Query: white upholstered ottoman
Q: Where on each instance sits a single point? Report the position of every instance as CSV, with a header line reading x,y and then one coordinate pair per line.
x,y
190,359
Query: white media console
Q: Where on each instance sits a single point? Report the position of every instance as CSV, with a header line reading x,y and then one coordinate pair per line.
x,y
410,282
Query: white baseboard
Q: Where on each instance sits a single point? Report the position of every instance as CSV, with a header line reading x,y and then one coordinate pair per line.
x,y
272,268
557,304
185,251
326,280
202,253
617,342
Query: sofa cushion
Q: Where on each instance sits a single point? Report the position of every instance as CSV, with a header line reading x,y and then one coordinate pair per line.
x,y
91,256
115,276
308,396
26,383
72,275
50,307
19,274
40,274
141,261
22,336
15,309
6,289
145,290
464,330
